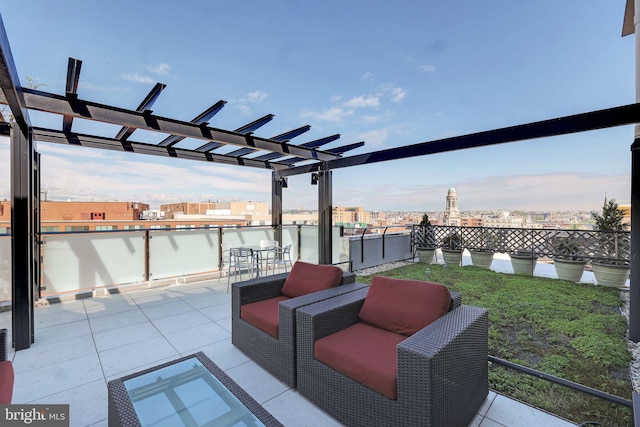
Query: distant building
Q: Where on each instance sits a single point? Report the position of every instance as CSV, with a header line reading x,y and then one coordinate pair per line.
x,y
59,216
350,216
472,222
254,213
626,209
451,212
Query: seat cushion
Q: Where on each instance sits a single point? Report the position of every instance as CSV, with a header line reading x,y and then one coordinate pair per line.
x,y
306,278
6,382
404,306
263,314
365,354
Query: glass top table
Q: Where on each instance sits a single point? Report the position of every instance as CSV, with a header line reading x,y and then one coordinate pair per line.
x,y
191,391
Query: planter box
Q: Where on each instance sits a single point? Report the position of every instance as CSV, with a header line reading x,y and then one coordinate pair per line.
x,y
569,269
426,254
452,256
523,264
614,276
482,259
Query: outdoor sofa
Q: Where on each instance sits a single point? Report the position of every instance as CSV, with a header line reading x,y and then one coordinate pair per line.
x,y
372,376
263,312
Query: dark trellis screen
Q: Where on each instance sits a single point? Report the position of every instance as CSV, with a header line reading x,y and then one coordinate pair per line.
x,y
583,244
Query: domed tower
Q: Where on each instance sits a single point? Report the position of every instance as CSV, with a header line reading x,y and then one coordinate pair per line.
x,y
451,212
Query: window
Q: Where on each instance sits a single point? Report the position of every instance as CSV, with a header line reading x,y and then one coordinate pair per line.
x,y
77,228
106,227
133,227
49,228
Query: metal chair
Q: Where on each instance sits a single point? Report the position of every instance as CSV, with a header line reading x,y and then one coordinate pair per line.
x,y
265,244
279,257
240,260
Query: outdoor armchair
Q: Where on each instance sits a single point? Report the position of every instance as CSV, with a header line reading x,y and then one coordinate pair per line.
x,y
263,312
6,370
435,376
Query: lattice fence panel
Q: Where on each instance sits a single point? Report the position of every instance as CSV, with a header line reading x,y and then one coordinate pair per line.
x,y
578,244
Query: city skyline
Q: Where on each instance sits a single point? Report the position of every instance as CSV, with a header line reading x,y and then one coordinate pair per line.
x,y
433,71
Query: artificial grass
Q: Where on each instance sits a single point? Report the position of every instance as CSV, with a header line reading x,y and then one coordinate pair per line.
x,y
571,330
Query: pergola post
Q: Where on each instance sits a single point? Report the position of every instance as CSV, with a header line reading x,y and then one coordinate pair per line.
x,y
634,277
325,213
23,246
277,184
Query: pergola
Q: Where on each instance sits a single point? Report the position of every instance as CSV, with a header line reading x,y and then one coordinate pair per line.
x,y
275,153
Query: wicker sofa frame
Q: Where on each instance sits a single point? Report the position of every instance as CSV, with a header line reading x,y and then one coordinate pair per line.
x,y
442,369
276,355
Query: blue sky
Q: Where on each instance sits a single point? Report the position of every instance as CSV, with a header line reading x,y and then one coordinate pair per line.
x,y
388,73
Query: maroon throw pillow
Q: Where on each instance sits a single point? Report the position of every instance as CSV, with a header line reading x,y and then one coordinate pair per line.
x,y
306,278
404,306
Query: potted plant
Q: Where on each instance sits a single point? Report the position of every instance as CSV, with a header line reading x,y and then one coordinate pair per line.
x,y
568,263
483,256
610,267
425,240
524,261
452,249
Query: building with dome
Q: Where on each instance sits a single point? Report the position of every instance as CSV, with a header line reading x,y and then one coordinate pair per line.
x,y
451,212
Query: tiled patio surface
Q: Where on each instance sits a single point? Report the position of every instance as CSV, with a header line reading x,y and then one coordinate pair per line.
x,y
83,344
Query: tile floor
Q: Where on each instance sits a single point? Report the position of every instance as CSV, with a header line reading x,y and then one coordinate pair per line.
x,y
81,345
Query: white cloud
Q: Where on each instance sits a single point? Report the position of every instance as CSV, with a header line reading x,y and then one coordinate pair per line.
x,y
333,114
244,109
257,96
367,76
336,98
90,86
398,94
160,69
138,78
427,68
373,138
363,102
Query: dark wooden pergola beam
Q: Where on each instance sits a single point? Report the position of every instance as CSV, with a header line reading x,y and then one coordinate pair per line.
x,y
70,138
144,106
200,119
71,90
56,104
601,119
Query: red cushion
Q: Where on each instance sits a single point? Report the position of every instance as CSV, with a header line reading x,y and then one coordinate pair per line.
x,y
306,278
404,306
6,382
365,354
263,314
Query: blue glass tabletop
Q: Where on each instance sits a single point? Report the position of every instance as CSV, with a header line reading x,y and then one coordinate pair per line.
x,y
186,394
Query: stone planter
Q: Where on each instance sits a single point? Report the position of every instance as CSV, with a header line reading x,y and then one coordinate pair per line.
x,y
570,270
614,276
481,259
452,256
425,254
523,264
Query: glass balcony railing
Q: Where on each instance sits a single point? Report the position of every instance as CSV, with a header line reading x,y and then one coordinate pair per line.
x,y
81,261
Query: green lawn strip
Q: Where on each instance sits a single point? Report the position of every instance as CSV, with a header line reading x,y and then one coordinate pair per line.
x,y
573,331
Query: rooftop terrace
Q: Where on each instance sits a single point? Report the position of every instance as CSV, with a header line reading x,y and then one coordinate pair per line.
x,y
83,344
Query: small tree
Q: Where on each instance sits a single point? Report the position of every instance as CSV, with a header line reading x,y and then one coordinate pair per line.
x,y
425,221
610,223
425,237
610,219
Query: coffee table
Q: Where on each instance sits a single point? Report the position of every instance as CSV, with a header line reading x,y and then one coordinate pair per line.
x,y
190,391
